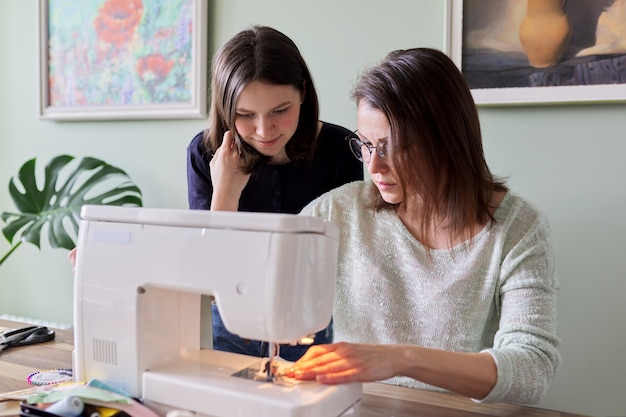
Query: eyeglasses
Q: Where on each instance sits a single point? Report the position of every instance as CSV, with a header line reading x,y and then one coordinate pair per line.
x,y
363,151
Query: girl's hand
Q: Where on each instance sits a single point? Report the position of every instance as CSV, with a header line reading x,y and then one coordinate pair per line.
x,y
71,256
227,177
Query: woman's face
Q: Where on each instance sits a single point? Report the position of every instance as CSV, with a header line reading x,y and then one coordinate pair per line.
x,y
267,117
374,129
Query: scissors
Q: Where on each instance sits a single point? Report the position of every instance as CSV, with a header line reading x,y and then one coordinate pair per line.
x,y
25,336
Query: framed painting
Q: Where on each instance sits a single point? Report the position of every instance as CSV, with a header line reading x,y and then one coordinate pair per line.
x,y
122,59
540,51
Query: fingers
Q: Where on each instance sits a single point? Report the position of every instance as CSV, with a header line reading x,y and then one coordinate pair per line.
x,y
228,175
228,143
315,351
318,359
228,140
71,256
231,142
343,377
342,362
332,373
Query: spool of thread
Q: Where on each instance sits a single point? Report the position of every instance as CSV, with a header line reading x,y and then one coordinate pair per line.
x,y
70,406
180,413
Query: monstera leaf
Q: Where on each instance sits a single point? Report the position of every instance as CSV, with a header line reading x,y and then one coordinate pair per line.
x,y
58,204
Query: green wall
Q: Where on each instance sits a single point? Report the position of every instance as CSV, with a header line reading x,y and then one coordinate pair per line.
x,y
570,160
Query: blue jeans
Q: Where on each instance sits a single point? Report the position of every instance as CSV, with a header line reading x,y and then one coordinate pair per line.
x,y
226,341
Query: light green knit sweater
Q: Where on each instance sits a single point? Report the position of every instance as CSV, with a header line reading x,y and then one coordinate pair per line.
x,y
495,294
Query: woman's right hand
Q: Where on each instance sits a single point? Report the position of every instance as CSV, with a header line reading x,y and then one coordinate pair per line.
x,y
227,177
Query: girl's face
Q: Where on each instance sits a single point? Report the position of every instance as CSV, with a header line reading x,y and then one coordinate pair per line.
x,y
374,129
267,117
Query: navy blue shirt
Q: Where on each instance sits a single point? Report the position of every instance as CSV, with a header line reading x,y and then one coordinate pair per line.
x,y
283,188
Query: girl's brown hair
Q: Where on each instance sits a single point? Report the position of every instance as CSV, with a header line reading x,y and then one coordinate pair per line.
x,y
260,53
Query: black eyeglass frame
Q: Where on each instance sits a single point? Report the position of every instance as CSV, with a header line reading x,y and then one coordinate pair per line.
x,y
357,145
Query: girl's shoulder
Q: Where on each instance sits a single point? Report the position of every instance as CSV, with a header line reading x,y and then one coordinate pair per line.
x,y
197,143
332,135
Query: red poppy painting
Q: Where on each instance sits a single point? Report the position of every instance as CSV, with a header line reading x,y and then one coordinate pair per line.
x,y
123,59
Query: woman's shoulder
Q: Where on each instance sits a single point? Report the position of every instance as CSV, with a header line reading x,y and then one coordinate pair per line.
x,y
351,191
517,213
344,199
514,202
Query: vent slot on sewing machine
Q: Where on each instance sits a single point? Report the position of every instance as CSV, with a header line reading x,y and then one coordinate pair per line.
x,y
105,351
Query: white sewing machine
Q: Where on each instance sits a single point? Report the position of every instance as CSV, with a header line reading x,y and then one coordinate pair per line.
x,y
140,274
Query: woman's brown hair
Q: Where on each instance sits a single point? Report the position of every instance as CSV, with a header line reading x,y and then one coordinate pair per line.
x,y
436,145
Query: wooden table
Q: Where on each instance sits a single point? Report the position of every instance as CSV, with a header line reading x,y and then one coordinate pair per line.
x,y
17,363
379,400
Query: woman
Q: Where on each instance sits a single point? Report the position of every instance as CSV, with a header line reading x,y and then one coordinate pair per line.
x,y
265,149
446,279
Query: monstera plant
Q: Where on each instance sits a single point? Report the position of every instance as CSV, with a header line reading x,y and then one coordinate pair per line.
x,y
58,202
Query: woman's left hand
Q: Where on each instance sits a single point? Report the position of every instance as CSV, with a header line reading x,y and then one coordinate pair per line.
x,y
339,363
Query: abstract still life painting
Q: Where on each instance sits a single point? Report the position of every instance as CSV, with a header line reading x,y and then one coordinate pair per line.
x,y
540,51
122,59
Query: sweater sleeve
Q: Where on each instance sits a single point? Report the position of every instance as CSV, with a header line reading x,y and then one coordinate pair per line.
x,y
513,319
525,345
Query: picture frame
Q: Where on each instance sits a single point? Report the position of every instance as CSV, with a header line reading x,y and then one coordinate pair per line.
x,y
148,61
577,79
